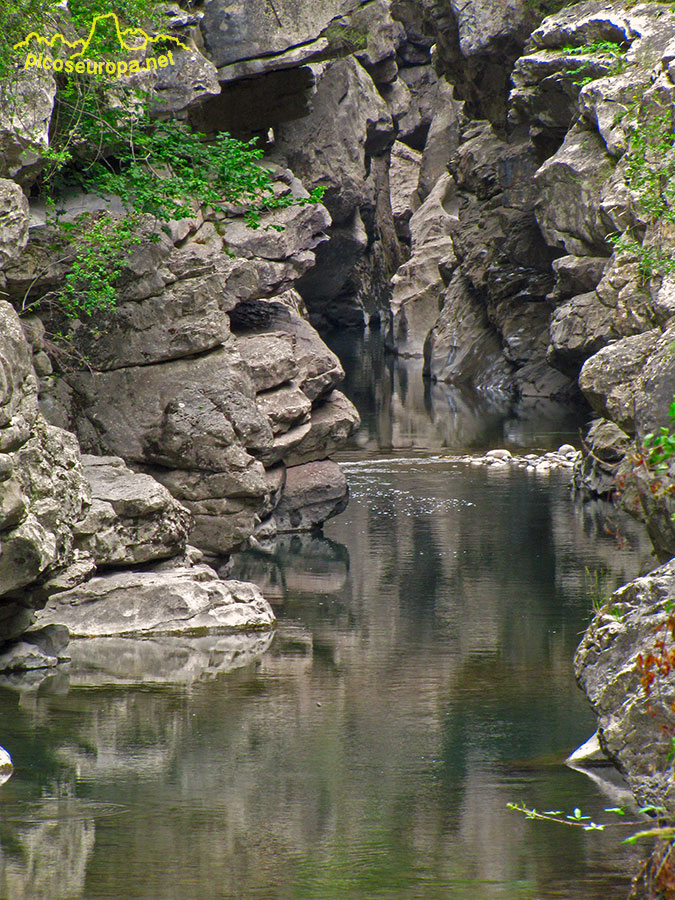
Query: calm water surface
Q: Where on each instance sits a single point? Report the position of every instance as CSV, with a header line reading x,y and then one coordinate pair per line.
x,y
419,680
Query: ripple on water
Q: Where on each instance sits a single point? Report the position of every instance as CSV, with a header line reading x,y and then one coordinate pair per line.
x,y
371,480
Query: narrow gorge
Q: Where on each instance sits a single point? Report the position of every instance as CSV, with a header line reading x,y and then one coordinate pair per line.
x,y
399,268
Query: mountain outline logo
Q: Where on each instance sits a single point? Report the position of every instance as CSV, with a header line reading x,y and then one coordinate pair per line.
x,y
131,40
83,45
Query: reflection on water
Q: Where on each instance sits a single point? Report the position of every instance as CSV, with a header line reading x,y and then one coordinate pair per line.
x,y
400,410
420,680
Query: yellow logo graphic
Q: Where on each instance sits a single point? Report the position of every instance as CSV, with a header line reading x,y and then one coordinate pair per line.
x,y
130,40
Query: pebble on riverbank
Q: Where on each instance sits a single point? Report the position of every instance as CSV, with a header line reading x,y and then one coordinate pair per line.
x,y
538,463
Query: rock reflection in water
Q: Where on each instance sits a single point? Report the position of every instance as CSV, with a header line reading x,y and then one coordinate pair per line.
x,y
419,680
293,565
403,411
44,852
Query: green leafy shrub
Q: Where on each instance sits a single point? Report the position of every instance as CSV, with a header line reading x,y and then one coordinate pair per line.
x,y
661,444
101,247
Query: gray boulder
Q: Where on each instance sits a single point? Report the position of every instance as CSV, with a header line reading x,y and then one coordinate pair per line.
x,y
26,103
179,600
615,664
571,186
578,329
313,492
576,275
132,518
284,407
605,447
331,424
193,414
655,387
609,378
234,33
13,221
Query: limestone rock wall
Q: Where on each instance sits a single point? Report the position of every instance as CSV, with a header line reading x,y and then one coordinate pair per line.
x,y
65,518
206,407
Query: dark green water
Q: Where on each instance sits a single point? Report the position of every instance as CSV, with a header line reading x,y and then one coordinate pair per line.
x,y
419,680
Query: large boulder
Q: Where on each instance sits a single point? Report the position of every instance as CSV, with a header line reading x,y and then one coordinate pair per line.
x,y
608,379
236,33
621,664
167,600
132,519
312,493
578,329
605,448
13,221
655,386
26,104
571,186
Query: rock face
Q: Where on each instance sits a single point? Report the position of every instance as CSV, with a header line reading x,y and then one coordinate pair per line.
x,y
172,391
61,517
613,292
235,35
474,295
27,105
477,43
350,160
618,666
132,518
43,492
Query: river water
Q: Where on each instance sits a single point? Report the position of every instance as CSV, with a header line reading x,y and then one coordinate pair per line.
x,y
419,680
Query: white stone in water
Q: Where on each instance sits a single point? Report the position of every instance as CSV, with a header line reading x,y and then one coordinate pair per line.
x,y
567,448
5,765
498,454
589,752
